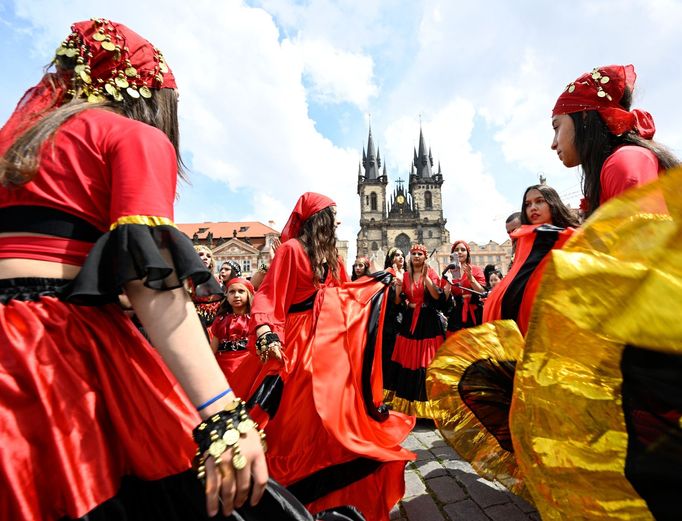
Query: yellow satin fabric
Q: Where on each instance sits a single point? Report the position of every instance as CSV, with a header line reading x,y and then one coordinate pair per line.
x,y
409,407
617,281
149,220
496,341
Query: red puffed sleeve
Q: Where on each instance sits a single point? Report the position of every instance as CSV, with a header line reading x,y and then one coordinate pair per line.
x,y
627,167
144,173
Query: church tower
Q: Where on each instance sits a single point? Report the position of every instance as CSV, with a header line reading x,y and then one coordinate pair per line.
x,y
410,214
372,183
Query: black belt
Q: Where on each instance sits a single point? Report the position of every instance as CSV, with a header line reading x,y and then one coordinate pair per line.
x,y
49,221
306,305
232,345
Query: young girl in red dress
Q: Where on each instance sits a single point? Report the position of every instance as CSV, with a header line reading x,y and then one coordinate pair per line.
x,y
230,329
464,287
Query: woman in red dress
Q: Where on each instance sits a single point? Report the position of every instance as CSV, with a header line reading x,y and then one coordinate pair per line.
x,y
94,420
546,224
420,335
464,286
319,390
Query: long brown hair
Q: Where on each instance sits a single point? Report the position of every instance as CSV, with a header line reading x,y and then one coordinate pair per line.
x,y
595,143
319,241
20,163
562,216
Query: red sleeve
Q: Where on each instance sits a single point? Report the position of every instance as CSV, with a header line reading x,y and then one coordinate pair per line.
x,y
627,167
143,172
276,294
217,329
478,274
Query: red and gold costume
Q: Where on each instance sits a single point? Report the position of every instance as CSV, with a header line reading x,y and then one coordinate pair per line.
x,y
87,406
514,296
596,415
328,443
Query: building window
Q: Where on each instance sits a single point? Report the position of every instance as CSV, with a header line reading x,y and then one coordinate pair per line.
x,y
428,200
246,265
373,201
430,234
403,242
367,200
375,246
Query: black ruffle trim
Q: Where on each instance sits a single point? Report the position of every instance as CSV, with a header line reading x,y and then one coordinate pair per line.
x,y
162,256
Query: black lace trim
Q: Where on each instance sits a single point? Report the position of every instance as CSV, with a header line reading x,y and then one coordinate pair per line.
x,y
161,256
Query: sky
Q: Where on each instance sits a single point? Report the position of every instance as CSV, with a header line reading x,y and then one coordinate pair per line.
x,y
276,96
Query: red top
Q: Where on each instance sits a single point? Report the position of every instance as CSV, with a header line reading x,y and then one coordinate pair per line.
x,y
415,291
289,281
230,327
100,166
627,167
476,272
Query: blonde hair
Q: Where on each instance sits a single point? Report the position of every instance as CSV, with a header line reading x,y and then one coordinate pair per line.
x,y
199,248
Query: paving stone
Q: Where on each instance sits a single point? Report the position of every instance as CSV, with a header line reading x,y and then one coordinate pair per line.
x,y
428,437
422,508
423,454
465,510
508,512
412,443
414,486
430,469
458,467
524,505
444,452
486,495
446,489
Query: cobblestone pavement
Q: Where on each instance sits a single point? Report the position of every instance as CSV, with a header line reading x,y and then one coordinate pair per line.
x,y
440,486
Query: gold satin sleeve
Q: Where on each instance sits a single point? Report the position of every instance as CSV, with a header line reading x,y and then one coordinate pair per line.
x,y
494,342
617,282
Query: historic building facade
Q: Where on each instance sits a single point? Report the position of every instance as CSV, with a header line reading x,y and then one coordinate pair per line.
x,y
412,213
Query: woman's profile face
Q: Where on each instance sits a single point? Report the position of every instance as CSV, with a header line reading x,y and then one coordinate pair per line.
x,y
398,259
536,208
564,140
224,273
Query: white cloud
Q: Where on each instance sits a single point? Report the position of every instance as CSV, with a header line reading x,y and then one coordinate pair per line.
x,y
336,76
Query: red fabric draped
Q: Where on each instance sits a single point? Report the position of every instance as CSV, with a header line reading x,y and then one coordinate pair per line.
x,y
321,419
307,205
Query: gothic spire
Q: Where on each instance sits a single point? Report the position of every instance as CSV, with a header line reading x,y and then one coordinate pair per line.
x,y
422,159
369,159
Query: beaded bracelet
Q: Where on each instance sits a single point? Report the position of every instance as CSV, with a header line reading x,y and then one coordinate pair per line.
x,y
264,344
222,431
214,399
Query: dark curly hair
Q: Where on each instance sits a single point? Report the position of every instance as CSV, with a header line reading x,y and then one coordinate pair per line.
x,y
562,216
318,236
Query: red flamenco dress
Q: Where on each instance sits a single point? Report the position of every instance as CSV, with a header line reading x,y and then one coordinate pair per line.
x,y
232,332
467,309
328,442
421,334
